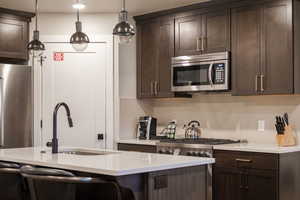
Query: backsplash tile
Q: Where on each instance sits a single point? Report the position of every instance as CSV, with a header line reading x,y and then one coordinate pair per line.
x,y
224,116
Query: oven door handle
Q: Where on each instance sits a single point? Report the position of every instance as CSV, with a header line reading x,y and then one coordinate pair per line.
x,y
210,74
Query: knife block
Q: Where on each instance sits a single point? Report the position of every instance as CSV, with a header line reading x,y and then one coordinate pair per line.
x,y
288,139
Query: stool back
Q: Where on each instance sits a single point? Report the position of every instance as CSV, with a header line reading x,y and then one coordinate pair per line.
x,y
11,182
54,184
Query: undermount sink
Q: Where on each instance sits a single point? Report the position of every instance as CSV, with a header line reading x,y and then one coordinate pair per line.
x,y
85,153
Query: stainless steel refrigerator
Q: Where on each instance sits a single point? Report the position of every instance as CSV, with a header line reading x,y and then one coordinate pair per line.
x,y
16,106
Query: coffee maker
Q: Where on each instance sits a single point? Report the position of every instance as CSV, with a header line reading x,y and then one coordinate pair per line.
x,y
146,128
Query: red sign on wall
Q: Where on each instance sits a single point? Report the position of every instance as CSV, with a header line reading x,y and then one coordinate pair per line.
x,y
58,56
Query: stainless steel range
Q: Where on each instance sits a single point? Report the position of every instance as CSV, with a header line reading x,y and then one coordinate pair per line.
x,y
201,147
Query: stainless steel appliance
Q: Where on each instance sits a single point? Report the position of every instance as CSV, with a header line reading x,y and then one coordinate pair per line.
x,y
202,147
208,72
192,130
146,128
16,111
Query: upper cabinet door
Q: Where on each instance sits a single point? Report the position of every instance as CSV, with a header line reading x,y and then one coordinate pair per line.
x,y
147,51
188,32
13,38
246,51
277,49
165,54
216,31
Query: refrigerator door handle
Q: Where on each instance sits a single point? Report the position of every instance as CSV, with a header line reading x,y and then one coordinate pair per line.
x,y
1,114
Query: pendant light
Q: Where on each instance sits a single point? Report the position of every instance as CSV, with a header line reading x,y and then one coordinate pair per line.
x,y
79,40
124,29
35,46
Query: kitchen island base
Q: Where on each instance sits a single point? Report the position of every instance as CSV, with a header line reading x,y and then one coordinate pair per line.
x,y
140,176
188,183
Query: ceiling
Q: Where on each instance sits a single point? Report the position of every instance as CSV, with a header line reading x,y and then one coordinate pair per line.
x,y
93,6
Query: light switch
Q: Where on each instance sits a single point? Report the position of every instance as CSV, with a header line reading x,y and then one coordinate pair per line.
x,y
261,125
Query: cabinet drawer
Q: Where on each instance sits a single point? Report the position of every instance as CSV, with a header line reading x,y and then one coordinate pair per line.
x,y
250,160
137,148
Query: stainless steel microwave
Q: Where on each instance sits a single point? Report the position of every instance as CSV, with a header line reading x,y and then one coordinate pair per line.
x,y
207,72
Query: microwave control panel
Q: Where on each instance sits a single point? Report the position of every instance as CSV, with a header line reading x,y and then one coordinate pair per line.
x,y
219,73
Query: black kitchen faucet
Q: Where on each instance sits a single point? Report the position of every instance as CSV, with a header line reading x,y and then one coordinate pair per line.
x,y
70,121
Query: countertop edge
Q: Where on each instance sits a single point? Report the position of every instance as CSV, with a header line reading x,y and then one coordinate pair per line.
x,y
138,142
111,173
254,148
33,158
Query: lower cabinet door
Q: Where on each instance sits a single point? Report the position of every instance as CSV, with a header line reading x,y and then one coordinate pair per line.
x,y
260,185
226,184
244,184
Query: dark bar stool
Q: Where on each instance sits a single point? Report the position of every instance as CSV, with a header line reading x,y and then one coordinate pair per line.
x,y
11,182
54,184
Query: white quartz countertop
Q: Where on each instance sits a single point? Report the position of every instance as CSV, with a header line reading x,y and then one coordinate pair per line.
x,y
115,163
260,148
140,142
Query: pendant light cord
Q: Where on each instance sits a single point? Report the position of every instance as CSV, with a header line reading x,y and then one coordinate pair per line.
x,y
78,15
123,9
36,15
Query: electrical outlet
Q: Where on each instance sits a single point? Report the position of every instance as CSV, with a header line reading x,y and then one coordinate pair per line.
x,y
160,182
261,125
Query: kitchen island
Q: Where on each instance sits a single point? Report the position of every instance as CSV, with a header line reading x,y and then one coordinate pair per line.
x,y
143,176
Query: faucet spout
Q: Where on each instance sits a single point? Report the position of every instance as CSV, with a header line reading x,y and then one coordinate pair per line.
x,y
70,121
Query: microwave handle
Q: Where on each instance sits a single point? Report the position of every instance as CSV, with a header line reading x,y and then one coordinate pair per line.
x,y
210,74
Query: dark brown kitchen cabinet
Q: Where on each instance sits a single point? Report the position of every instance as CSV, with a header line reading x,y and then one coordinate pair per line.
x,y
245,50
259,185
216,31
205,33
245,176
14,35
137,148
147,58
233,184
277,58
165,53
226,182
155,50
260,176
188,34
262,49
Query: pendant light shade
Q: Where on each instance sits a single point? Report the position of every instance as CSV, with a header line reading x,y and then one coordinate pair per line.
x,y
79,40
124,29
35,46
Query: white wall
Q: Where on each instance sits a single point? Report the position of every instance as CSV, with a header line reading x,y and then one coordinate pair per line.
x,y
130,107
225,116
127,68
64,24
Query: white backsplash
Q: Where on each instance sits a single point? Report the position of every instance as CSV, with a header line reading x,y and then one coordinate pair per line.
x,y
220,115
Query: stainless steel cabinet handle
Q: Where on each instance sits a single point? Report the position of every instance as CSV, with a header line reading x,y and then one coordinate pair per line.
x,y
1,114
210,75
198,45
256,84
243,160
156,88
202,43
151,88
262,83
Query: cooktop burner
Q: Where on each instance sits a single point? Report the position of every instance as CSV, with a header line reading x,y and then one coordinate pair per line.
x,y
208,141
